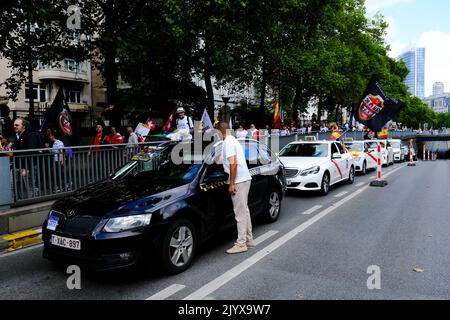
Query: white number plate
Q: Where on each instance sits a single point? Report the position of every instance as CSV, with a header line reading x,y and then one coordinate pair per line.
x,y
68,243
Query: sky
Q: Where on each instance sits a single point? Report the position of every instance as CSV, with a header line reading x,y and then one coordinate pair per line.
x,y
424,23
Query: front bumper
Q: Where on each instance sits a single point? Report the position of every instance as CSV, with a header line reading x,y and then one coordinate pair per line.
x,y
308,183
103,252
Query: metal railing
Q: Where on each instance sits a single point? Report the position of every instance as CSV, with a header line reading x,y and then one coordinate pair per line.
x,y
37,175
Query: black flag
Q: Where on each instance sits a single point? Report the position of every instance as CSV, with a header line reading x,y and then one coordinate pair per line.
x,y
375,109
60,119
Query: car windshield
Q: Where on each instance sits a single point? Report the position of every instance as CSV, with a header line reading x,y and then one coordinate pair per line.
x,y
314,150
355,146
374,144
395,144
158,165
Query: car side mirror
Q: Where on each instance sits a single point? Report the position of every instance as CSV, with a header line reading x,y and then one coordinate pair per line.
x,y
336,156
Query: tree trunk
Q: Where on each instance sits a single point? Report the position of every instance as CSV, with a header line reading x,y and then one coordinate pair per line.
x,y
30,77
208,81
262,106
110,52
296,102
209,89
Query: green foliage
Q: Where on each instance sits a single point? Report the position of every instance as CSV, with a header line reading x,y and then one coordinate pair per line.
x,y
416,113
296,49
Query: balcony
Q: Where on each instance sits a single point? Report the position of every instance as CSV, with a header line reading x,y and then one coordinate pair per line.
x,y
62,74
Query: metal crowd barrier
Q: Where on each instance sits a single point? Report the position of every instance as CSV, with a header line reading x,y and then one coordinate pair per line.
x,y
32,176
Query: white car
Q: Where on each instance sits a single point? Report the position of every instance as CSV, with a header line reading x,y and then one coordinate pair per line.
x,y
363,160
316,165
386,151
396,149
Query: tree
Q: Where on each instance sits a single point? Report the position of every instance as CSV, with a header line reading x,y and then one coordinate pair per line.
x,y
416,113
33,31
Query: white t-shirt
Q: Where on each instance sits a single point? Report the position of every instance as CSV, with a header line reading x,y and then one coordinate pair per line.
x,y
232,147
241,134
183,124
57,146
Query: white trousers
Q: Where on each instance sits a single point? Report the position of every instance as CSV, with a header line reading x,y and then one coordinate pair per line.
x,y
241,212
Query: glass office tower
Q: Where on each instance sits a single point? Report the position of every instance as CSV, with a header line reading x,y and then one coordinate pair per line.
x,y
415,62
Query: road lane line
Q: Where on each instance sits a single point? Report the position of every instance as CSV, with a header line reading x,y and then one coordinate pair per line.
x,y
171,290
215,284
265,236
313,209
343,193
360,184
167,292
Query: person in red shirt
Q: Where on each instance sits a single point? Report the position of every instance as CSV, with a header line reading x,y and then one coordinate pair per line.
x,y
114,137
97,139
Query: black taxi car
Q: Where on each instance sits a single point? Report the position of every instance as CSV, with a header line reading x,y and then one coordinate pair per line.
x,y
157,209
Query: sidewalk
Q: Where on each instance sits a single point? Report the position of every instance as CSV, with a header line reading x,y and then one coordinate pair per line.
x,y
21,227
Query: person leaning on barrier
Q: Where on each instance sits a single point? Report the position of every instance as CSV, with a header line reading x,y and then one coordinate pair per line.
x,y
25,140
25,162
97,139
58,163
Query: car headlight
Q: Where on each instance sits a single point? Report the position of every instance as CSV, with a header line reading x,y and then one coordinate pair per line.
x,y
313,170
126,223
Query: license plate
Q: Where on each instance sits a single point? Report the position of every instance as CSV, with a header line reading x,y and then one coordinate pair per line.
x,y
52,222
64,242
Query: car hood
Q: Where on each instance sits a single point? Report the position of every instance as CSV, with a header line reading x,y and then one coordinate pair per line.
x,y
117,195
302,163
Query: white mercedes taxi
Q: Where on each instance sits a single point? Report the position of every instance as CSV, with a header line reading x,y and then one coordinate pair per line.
x,y
363,160
316,165
397,150
386,151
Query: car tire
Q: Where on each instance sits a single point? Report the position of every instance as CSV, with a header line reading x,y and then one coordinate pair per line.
x,y
364,169
325,185
273,206
351,175
179,247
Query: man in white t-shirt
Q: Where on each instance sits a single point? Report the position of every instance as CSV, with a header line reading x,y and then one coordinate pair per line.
x,y
183,122
239,181
184,126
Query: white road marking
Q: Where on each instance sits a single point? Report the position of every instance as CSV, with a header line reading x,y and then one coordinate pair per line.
x,y
360,184
167,292
171,290
313,209
343,193
265,236
215,284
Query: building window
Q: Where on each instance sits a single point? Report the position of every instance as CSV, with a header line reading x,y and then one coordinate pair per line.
x,y
39,92
71,65
73,96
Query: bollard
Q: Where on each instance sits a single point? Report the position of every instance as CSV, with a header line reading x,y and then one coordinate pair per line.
x,y
411,158
378,182
424,153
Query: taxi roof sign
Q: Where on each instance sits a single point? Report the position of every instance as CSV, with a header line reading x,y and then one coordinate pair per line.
x,y
310,138
348,139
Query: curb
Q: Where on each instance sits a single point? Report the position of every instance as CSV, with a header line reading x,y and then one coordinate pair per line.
x,y
19,240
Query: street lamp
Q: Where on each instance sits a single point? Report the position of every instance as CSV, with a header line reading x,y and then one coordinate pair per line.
x,y
225,100
226,112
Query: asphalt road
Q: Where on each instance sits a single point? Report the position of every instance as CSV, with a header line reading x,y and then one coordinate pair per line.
x,y
323,254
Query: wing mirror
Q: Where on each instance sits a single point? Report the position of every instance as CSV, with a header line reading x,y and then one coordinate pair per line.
x,y
336,156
